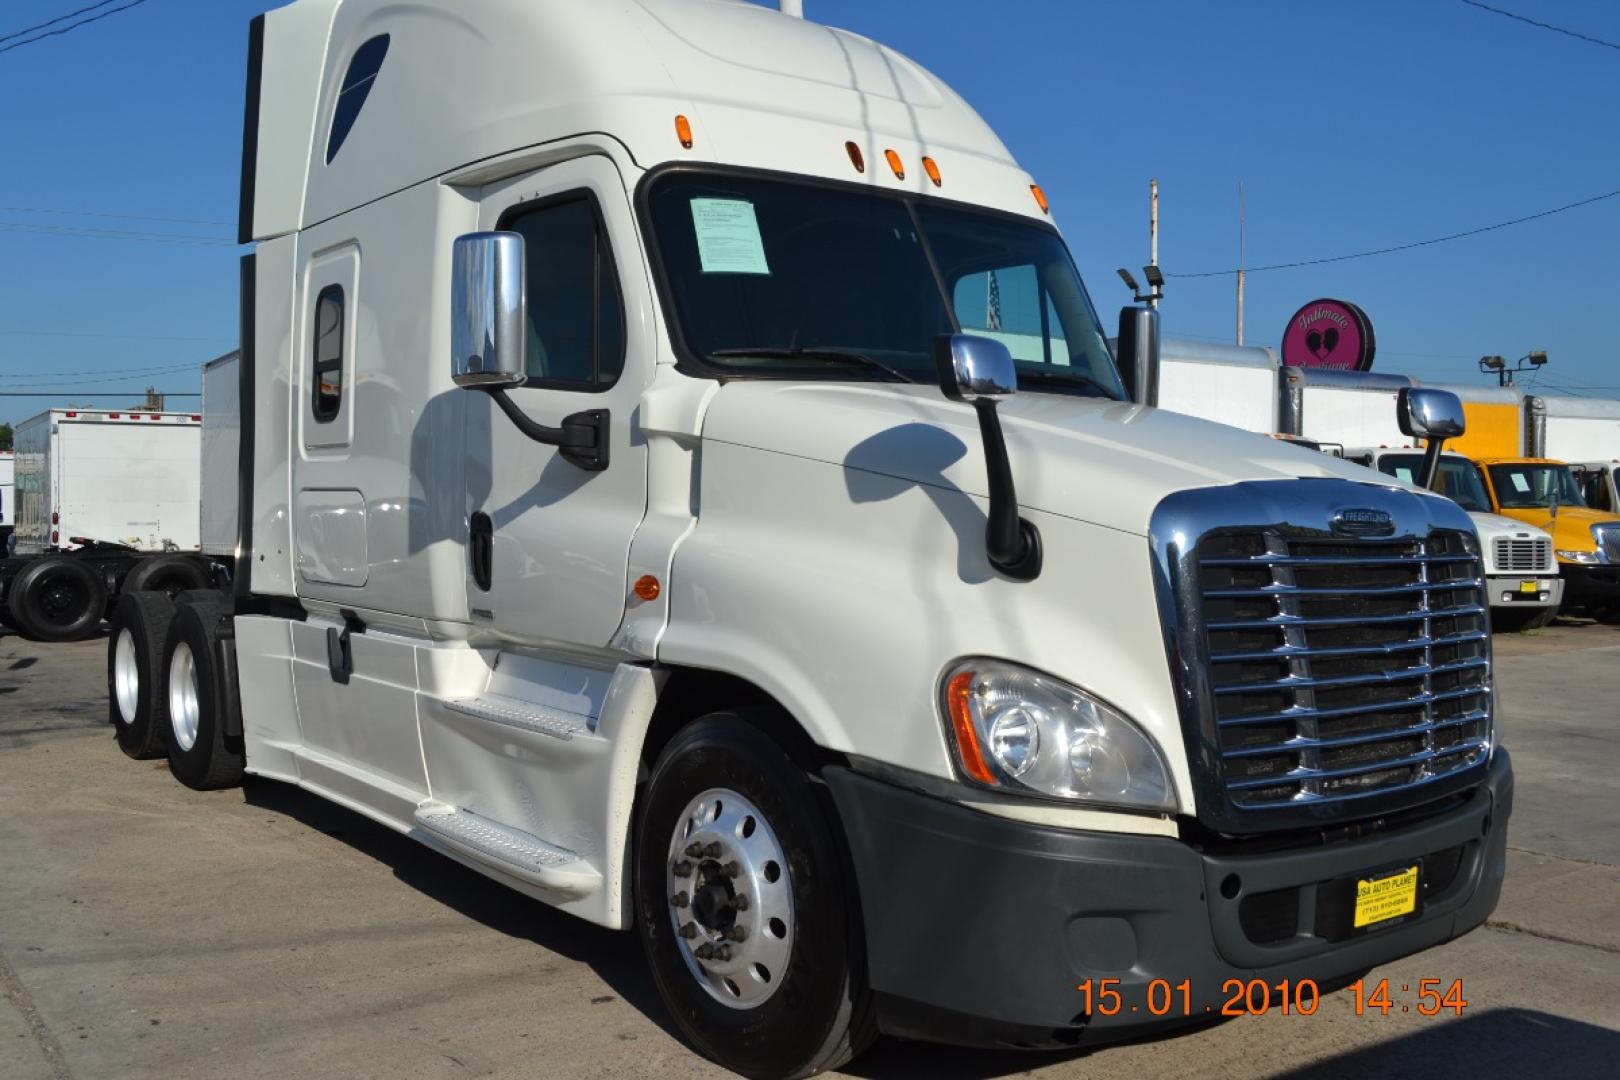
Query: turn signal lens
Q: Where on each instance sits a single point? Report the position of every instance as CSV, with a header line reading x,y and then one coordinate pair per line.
x,y
1040,198
647,587
931,167
894,163
856,158
683,131
958,701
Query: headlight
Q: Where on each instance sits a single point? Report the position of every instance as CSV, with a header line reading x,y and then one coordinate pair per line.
x,y
1018,730
1585,557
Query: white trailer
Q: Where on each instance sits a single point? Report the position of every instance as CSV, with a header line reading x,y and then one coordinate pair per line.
x,y
684,480
1229,384
1573,429
7,498
104,498
1344,408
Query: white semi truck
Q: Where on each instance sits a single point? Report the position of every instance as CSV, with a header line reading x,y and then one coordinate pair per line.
x,y
683,477
105,500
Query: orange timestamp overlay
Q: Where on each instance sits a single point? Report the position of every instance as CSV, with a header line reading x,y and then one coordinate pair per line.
x,y
1290,997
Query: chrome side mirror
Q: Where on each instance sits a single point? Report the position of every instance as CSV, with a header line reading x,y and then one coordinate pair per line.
x,y
1435,415
488,317
974,368
1137,353
1426,413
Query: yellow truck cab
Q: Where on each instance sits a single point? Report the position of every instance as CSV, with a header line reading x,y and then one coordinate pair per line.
x,y
1543,492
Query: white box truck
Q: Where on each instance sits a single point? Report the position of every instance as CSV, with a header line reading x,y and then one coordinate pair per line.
x,y
1229,384
1586,433
105,499
635,509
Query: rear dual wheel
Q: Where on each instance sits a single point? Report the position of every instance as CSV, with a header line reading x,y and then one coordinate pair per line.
x,y
137,701
200,754
745,905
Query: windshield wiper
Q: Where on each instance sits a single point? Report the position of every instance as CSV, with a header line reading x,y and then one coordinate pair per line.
x,y
835,356
1067,378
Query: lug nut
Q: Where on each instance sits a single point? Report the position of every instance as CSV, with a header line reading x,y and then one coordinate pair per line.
x,y
682,869
731,869
723,953
681,899
689,931
704,951
694,850
712,851
737,933
739,902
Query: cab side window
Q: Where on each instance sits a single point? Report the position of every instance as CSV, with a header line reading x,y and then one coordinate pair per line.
x,y
576,312
328,354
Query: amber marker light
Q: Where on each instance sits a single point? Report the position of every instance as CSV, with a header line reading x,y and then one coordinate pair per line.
x,y
647,587
1040,198
894,163
957,692
683,131
931,167
856,158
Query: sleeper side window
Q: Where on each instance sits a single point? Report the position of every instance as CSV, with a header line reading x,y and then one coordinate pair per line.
x,y
328,354
576,312
357,83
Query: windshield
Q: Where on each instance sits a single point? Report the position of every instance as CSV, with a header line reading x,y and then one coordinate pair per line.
x,y
774,277
1457,480
1520,486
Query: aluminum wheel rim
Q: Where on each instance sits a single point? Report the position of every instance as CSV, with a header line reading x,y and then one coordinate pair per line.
x,y
731,899
183,707
126,677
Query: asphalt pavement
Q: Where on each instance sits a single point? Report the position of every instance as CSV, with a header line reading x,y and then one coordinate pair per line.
x,y
149,931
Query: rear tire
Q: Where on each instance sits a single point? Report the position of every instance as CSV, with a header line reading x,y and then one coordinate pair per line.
x,y
1512,621
199,756
169,574
137,697
723,784
58,598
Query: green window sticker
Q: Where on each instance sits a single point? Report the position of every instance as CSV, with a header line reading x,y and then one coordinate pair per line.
x,y
728,237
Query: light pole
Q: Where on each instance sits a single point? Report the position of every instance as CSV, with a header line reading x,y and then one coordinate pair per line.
x,y
1532,361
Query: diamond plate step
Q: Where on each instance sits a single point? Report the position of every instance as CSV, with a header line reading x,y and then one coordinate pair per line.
x,y
522,715
518,853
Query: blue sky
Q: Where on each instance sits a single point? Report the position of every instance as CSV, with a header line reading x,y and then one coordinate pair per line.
x,y
1351,125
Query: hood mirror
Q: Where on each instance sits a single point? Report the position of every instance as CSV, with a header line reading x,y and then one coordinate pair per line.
x,y
1435,415
980,372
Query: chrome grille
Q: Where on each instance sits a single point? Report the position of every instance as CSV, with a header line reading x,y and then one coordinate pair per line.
x,y
1340,668
1514,556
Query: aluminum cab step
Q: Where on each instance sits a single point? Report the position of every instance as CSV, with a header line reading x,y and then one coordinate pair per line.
x,y
512,851
522,715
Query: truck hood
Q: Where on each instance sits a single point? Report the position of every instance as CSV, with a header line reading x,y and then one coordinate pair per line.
x,y
1104,462
1501,525
1571,530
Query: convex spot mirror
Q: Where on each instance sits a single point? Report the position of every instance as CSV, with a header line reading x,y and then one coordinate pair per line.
x,y
488,314
1425,413
974,368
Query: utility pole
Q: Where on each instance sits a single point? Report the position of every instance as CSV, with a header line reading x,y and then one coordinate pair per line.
x,y
1241,273
1153,232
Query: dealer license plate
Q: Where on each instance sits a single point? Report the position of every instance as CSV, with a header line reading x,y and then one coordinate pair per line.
x,y
1381,899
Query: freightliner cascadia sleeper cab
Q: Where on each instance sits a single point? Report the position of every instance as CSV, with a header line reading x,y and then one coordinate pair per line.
x,y
636,506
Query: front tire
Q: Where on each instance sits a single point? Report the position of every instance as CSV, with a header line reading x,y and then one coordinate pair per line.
x,y
58,598
745,905
200,757
137,700
1512,621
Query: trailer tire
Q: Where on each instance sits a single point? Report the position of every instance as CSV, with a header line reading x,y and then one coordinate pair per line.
x,y
200,757
58,598
804,921
137,699
170,574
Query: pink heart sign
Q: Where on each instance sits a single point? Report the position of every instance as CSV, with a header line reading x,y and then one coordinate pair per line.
x,y
1329,334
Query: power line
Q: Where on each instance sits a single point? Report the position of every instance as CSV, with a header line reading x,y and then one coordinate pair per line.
x,y
1405,247
25,31
116,217
79,394
1541,25
115,234
71,27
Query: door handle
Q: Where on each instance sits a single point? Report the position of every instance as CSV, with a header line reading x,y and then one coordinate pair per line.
x,y
481,549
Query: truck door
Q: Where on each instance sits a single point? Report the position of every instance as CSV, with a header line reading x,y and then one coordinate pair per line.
x,y
548,541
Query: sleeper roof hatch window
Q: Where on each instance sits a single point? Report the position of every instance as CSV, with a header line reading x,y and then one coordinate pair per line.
x,y
363,69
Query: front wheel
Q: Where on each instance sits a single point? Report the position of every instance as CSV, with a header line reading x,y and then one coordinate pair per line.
x,y
1518,620
745,906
